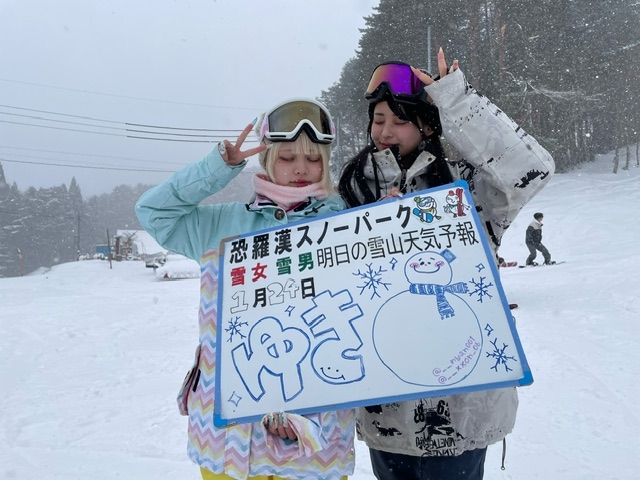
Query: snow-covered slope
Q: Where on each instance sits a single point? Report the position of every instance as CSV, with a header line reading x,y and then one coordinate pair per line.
x,y
91,357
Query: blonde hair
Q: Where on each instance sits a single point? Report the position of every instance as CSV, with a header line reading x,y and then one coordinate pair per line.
x,y
303,144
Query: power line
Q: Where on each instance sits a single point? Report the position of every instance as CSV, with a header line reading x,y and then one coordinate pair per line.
x,y
121,135
88,166
81,154
60,128
126,96
235,131
83,163
105,127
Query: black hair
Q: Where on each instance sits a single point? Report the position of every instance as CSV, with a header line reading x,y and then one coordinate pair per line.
x,y
437,173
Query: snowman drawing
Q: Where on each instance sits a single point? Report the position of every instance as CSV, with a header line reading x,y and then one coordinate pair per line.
x,y
455,204
428,334
426,209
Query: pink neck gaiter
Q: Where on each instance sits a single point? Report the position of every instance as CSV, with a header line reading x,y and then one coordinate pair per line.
x,y
286,197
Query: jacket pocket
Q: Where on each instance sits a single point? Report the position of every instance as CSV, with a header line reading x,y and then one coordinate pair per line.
x,y
183,394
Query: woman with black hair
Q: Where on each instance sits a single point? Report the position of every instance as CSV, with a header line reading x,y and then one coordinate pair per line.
x,y
441,438
404,140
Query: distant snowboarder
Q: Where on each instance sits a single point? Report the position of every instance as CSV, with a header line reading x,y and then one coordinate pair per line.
x,y
533,239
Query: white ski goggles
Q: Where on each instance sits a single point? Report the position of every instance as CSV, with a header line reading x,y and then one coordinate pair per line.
x,y
285,121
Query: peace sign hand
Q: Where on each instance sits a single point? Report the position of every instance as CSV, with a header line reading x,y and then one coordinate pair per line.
x,y
232,155
442,69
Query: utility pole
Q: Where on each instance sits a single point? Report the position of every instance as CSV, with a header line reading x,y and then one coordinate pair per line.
x,y
109,250
21,255
78,240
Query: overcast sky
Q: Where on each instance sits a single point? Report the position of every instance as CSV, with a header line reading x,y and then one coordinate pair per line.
x,y
98,65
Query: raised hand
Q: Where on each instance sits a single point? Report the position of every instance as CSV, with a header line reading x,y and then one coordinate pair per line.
x,y
232,154
442,69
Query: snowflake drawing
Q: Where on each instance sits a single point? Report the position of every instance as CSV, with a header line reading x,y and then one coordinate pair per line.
x,y
500,357
373,281
393,263
482,289
234,328
489,330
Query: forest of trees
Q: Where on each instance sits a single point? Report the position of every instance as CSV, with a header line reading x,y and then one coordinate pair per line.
x,y
565,70
47,226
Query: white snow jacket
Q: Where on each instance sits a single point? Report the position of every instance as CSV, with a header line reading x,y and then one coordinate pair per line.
x,y
505,168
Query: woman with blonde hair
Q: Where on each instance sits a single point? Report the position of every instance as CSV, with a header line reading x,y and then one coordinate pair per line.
x,y
294,150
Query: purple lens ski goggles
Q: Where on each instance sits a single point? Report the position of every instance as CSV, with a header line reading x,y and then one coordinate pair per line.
x,y
399,80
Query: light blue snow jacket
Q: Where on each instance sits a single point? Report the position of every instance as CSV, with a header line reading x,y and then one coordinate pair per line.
x,y
171,213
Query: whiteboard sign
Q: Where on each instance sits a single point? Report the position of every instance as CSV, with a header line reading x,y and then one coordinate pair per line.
x,y
386,302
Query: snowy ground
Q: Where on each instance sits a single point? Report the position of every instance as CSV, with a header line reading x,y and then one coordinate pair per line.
x,y
91,357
